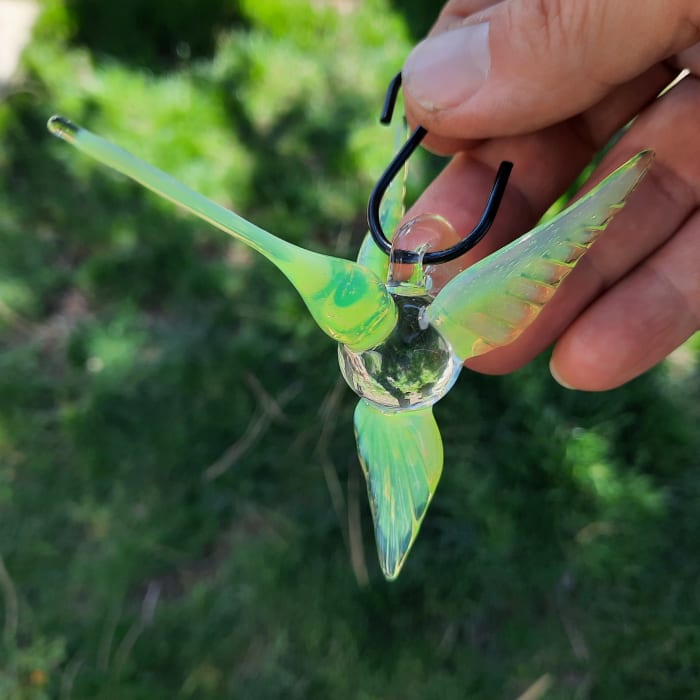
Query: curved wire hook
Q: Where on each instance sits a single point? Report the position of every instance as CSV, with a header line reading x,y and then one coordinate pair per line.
x,y
375,198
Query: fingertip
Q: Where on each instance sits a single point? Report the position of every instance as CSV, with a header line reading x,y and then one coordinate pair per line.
x,y
582,363
447,69
556,375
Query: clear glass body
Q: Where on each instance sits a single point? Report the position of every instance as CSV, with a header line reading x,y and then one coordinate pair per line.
x,y
413,368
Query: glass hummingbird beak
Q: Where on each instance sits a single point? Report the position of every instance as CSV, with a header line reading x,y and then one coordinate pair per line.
x,y
401,345
348,301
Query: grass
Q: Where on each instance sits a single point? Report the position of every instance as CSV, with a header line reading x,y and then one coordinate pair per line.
x,y
181,510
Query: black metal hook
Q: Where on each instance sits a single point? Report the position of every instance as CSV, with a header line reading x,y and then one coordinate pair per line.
x,y
375,199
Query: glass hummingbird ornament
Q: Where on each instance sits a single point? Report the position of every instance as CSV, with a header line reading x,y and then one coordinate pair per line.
x,y
402,341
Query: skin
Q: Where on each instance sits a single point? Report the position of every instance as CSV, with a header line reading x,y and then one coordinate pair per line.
x,y
560,78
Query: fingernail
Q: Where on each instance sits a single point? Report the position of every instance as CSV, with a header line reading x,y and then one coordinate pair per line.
x,y
557,378
449,68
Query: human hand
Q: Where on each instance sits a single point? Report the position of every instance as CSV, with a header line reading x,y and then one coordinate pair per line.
x,y
546,84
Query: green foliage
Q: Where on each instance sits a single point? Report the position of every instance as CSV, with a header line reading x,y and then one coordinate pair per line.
x,y
181,511
26,671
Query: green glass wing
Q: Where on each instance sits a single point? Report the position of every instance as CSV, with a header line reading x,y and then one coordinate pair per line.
x,y
391,211
491,303
349,302
401,456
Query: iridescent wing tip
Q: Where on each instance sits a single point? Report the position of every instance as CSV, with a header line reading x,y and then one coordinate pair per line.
x,y
492,302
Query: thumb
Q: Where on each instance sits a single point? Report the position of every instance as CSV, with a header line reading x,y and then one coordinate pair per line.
x,y
520,65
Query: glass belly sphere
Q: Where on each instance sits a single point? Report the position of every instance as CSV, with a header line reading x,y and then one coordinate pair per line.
x,y
413,368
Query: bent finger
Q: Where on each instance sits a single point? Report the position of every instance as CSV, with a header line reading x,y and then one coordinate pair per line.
x,y
654,213
638,322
